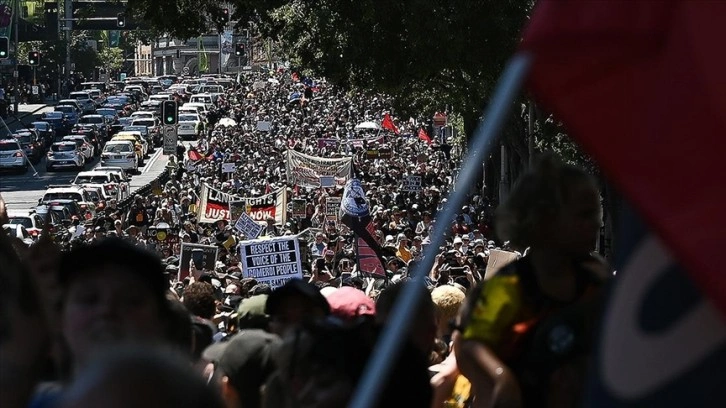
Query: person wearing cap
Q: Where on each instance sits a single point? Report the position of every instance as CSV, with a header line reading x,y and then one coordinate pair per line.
x,y
294,303
113,293
271,229
241,366
465,244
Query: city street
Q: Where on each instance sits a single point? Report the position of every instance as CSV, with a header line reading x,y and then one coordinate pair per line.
x,y
22,191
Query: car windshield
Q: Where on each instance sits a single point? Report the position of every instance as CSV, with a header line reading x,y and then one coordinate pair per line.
x,y
63,196
24,221
139,122
40,126
63,148
110,112
23,139
187,118
53,115
117,148
92,119
143,129
65,109
92,194
78,142
7,147
91,179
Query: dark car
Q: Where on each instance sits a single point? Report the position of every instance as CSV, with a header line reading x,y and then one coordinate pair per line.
x,y
32,147
58,120
46,131
90,131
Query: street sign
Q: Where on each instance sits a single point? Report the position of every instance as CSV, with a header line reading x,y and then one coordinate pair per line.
x,y
35,90
185,70
122,76
170,139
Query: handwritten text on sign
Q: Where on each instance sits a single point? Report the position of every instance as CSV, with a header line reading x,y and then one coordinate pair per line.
x,y
272,261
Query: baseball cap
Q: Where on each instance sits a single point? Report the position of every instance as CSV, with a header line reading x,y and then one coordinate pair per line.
x,y
247,359
296,287
349,303
251,313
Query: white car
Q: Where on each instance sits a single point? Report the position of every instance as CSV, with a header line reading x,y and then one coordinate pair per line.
x,y
118,175
190,125
12,155
19,232
83,143
32,221
143,114
65,154
120,153
110,184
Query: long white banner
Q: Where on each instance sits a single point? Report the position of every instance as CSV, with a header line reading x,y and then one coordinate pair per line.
x,y
306,171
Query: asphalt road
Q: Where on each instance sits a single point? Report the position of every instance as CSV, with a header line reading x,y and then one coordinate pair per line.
x,y
22,191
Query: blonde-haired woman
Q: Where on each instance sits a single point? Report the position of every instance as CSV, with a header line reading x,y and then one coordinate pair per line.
x,y
525,335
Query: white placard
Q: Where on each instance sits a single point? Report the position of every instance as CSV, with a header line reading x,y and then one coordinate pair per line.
x,y
272,261
229,167
263,126
411,183
35,90
327,181
248,226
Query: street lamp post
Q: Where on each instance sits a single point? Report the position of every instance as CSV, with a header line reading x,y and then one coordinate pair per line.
x,y
16,10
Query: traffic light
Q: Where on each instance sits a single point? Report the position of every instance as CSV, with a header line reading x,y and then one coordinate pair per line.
x,y
4,47
33,58
169,112
225,14
239,50
120,20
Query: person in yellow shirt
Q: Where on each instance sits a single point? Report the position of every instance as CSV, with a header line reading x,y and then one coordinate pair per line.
x,y
403,252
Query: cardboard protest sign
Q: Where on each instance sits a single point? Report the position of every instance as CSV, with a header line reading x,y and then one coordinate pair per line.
x,y
411,183
271,261
327,181
205,257
332,208
263,126
248,226
298,208
498,259
213,205
163,235
229,167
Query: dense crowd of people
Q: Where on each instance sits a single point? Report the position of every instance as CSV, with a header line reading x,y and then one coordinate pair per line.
x,y
217,337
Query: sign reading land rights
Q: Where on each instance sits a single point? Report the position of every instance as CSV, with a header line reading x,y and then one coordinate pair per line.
x,y
271,261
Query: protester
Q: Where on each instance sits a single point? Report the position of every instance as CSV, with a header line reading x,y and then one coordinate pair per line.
x,y
526,333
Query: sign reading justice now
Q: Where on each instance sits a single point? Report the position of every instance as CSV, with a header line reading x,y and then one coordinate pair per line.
x,y
271,261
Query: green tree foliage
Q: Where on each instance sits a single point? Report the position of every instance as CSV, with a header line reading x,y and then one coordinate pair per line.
x,y
111,58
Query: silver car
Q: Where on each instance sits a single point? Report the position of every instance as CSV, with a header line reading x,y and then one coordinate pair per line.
x,y
12,156
65,154
120,153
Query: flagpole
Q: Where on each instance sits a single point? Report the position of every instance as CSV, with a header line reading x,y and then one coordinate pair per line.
x,y
389,344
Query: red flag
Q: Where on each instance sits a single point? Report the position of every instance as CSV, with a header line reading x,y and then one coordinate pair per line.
x,y
194,155
296,190
388,124
639,85
295,77
642,91
268,189
424,136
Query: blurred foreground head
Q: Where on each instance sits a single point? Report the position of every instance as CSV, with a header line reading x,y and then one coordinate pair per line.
x,y
140,377
114,293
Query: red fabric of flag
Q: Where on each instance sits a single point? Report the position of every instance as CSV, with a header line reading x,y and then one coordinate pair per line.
x,y
194,155
388,124
424,136
268,188
639,84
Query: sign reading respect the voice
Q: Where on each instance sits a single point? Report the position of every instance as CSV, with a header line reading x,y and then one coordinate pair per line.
x,y
272,261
